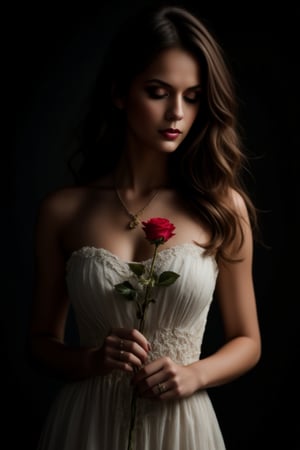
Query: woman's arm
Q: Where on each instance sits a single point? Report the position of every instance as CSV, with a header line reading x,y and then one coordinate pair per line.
x,y
50,306
236,297
242,349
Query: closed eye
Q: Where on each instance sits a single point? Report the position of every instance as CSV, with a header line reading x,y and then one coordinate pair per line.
x,y
193,96
194,99
156,92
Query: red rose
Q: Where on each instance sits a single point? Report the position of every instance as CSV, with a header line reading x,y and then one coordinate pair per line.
x,y
158,230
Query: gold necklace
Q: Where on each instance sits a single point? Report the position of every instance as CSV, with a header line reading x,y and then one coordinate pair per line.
x,y
134,217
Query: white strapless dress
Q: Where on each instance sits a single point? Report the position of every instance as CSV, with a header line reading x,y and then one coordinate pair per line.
x,y
94,414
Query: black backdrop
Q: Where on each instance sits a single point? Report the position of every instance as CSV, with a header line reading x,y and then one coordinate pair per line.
x,y
58,50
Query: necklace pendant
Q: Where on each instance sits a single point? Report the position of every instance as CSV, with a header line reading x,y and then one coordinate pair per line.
x,y
133,222
134,218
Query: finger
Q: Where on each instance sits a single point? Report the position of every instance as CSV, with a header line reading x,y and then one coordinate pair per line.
x,y
132,341
130,347
132,335
160,391
156,387
150,370
113,364
117,349
127,357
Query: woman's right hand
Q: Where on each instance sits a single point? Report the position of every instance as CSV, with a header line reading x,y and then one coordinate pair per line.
x,y
123,349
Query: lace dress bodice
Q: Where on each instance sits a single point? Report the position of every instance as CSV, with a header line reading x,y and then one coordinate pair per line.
x,y
175,323
95,413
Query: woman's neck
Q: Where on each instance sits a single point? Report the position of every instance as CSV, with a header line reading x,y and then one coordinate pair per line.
x,y
142,173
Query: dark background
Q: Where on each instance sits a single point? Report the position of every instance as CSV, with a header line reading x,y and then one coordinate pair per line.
x,y
58,51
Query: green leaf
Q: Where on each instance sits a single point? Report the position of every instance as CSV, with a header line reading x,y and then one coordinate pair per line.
x,y
127,290
137,269
167,278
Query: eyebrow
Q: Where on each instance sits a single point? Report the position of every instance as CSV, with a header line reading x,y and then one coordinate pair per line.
x,y
163,83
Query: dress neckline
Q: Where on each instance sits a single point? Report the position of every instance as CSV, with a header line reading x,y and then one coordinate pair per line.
x,y
90,251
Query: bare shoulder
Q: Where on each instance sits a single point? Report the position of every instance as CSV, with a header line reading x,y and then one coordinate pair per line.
x,y
66,216
237,203
56,211
62,203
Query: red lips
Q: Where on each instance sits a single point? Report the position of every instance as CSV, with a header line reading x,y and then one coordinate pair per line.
x,y
170,133
171,130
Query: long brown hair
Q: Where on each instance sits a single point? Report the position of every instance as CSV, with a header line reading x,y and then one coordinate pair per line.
x,y
208,164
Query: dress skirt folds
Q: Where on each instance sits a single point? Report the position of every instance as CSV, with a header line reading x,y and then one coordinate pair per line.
x,y
94,414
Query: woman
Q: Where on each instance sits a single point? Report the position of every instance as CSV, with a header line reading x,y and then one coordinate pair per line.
x,y
160,140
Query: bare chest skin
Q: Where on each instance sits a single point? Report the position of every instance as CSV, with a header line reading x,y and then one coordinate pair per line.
x,y
99,220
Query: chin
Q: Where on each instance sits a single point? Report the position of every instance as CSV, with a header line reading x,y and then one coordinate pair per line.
x,y
169,147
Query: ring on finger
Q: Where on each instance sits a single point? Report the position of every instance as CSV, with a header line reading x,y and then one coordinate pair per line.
x,y
122,355
121,345
161,387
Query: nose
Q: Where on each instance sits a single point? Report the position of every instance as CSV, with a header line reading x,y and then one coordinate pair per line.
x,y
175,110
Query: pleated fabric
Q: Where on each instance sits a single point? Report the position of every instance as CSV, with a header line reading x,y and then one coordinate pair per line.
x,y
94,414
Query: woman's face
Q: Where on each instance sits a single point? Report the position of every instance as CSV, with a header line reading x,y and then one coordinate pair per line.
x,y
163,101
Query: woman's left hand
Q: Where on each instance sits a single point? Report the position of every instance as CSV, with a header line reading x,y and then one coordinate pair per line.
x,y
163,379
